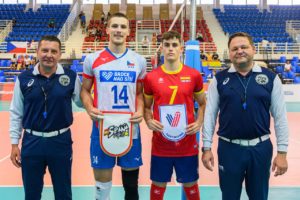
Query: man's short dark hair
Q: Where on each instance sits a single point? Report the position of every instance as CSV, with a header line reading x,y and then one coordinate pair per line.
x,y
241,34
170,35
51,38
117,14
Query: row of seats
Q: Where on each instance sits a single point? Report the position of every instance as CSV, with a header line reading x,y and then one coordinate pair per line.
x,y
32,25
269,25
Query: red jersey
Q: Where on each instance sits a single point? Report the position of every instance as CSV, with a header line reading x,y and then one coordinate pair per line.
x,y
167,88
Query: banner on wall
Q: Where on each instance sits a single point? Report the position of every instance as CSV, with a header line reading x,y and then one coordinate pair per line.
x,y
16,47
291,92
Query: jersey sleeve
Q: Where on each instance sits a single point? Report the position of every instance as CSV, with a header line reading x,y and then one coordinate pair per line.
x,y
198,83
143,65
147,86
87,67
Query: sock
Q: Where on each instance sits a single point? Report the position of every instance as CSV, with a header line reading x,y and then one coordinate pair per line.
x,y
192,193
156,192
102,190
130,184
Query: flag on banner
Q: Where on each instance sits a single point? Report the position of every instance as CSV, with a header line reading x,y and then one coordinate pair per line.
x,y
16,47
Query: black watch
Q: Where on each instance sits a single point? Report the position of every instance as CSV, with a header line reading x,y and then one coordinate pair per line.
x,y
205,149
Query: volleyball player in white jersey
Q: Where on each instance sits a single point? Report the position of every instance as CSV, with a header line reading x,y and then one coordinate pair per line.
x,y
116,73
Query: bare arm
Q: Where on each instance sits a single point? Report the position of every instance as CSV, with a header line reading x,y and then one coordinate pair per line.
x,y
137,117
87,100
195,126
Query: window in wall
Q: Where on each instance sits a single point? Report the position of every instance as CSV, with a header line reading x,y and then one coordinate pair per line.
x,y
177,1
67,1
272,2
115,1
296,2
54,2
207,2
88,1
252,2
42,1
133,1
10,1
102,1
23,1
160,1
285,2
239,2
147,2
225,2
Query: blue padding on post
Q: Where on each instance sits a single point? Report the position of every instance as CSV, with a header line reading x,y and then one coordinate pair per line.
x,y
192,59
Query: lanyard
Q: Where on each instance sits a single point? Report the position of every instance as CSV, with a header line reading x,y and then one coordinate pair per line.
x,y
45,93
245,86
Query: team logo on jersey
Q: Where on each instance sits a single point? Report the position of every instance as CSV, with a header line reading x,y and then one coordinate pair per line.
x,y
130,64
30,83
185,79
226,81
64,80
262,79
173,121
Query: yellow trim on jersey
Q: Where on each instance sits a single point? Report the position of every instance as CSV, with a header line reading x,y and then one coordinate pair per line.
x,y
148,96
172,72
200,92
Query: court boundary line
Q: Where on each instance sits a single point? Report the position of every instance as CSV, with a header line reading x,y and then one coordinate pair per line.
x,y
76,186
4,158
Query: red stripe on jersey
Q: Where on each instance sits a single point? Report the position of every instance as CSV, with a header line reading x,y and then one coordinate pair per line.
x,y
87,76
104,57
95,98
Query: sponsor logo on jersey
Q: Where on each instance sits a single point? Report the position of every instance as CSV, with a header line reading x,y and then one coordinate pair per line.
x,y
118,76
173,120
160,80
30,83
226,81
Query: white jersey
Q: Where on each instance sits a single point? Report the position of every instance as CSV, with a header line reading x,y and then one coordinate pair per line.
x,y
115,79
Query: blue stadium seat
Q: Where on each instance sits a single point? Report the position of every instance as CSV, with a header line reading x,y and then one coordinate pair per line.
x,y
297,80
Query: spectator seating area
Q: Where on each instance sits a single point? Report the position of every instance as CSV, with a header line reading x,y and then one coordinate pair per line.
x,y
292,76
260,24
95,24
201,27
31,25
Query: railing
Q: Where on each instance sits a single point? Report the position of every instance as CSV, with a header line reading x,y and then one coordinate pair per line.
x,y
71,21
5,29
272,51
148,24
293,28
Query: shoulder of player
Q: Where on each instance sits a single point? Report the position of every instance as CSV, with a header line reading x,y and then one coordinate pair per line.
x,y
93,56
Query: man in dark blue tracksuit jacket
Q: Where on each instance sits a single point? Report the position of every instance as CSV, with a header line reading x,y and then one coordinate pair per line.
x,y
244,96
42,106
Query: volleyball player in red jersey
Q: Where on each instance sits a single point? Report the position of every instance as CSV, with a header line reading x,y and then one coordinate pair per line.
x,y
172,89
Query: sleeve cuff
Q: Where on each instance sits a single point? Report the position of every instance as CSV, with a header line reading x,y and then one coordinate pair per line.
x,y
14,140
207,144
282,147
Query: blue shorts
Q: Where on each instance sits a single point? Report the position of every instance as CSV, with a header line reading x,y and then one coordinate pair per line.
x,y
186,168
100,160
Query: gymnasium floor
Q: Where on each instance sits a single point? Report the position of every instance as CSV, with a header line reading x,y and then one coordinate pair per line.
x,y
286,187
